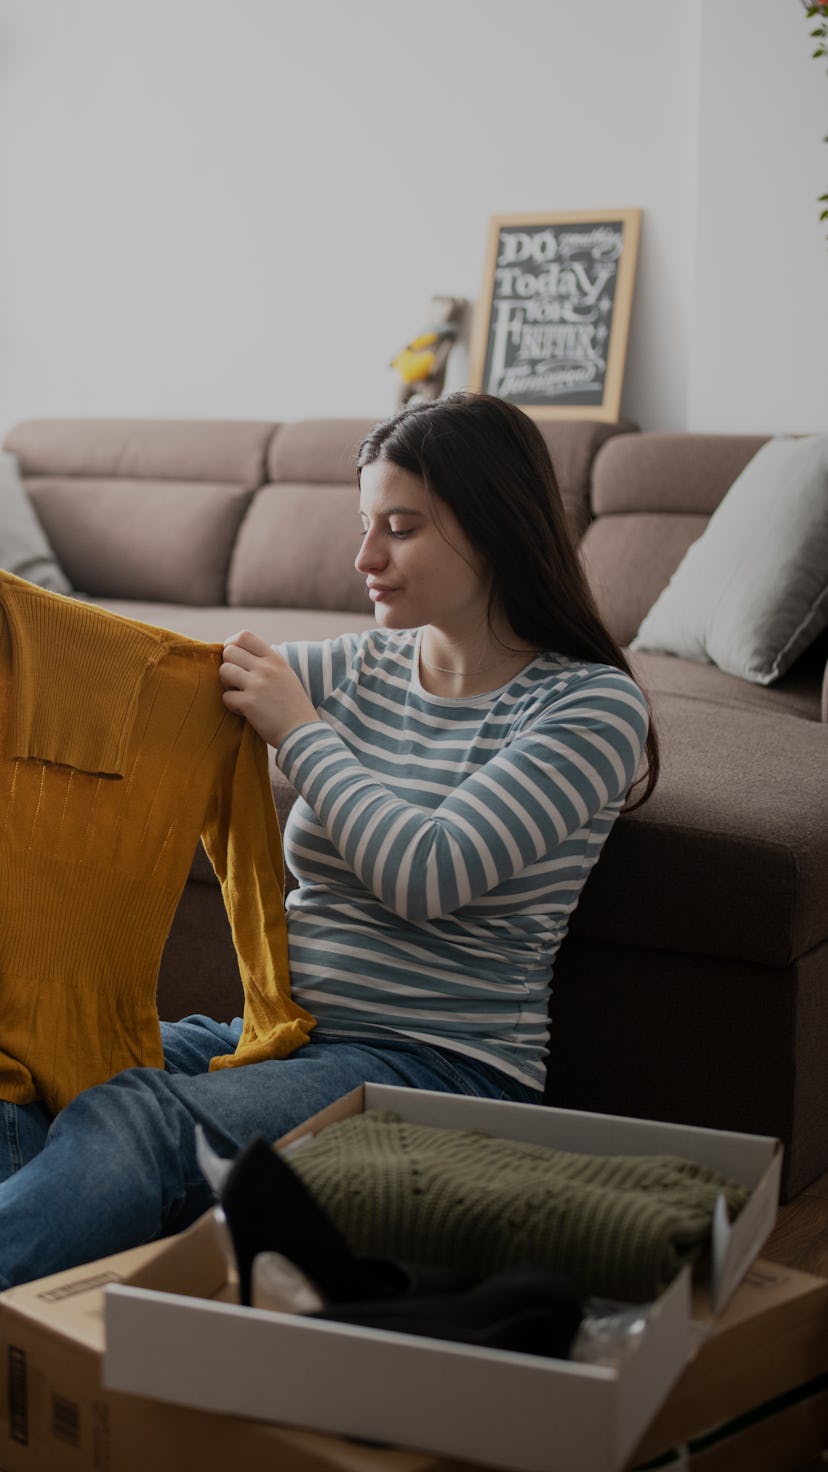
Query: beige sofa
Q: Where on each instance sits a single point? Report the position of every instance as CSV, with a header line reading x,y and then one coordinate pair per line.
x,y
694,983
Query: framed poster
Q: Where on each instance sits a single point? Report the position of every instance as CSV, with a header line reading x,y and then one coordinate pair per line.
x,y
551,325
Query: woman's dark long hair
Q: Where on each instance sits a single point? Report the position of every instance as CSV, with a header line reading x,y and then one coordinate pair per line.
x,y
489,463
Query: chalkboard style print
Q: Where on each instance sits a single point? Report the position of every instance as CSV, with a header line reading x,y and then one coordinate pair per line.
x,y
552,322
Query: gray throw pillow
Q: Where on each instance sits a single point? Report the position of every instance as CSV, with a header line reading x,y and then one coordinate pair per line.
x,y
24,546
752,593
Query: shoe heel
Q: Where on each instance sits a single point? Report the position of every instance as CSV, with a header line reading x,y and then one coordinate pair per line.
x,y
269,1209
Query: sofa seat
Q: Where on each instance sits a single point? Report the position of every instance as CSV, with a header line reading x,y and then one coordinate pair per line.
x,y
215,624
730,855
797,693
699,950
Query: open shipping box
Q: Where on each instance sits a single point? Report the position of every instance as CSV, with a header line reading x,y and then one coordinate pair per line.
x,y
55,1416
172,1339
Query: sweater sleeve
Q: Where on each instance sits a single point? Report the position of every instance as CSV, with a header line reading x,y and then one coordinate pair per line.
x,y
241,836
78,673
579,756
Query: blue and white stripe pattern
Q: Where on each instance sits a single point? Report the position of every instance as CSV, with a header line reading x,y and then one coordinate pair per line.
x,y
441,845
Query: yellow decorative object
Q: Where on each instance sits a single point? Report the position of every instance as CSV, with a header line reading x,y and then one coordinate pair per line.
x,y
421,364
425,340
413,366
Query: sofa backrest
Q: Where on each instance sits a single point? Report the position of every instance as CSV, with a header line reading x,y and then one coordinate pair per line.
x,y
652,496
210,512
144,509
296,545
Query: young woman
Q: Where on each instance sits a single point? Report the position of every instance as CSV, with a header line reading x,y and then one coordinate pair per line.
x,y
458,767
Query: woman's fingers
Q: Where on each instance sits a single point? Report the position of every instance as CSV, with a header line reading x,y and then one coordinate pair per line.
x,y
231,674
248,642
238,655
234,654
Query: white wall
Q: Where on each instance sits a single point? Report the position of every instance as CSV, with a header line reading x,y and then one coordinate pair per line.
x,y
759,343
241,208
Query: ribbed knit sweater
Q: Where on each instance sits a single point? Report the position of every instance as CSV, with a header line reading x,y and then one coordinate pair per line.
x,y
116,754
617,1226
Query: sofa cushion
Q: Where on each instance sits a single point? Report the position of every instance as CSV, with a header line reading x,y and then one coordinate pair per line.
x,y
730,855
157,540
24,547
144,449
322,451
752,592
296,549
573,445
143,508
217,623
669,473
296,546
796,693
628,558
652,496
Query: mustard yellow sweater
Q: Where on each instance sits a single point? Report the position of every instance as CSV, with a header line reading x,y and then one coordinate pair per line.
x,y
116,754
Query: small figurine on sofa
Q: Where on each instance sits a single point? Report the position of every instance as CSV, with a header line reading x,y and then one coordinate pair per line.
x,y
421,364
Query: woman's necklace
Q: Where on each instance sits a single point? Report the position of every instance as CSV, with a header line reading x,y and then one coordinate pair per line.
x,y
479,669
443,669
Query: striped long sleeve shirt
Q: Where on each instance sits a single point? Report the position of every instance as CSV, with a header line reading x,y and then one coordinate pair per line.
x,y
441,845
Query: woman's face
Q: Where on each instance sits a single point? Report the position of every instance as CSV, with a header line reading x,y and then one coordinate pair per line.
x,y
418,564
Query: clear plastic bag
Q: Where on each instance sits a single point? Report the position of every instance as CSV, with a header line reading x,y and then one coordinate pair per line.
x,y
609,1331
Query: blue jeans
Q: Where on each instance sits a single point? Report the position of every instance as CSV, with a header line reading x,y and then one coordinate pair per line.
x,y
117,1167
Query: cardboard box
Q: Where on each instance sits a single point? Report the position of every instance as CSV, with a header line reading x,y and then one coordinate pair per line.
x,y
772,1336
776,1438
55,1415
770,1341
169,1337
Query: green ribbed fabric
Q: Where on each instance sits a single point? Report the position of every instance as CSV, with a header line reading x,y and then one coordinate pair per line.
x,y
617,1226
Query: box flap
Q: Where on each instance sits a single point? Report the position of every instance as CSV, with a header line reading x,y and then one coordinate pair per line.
x,y
197,1257
736,1244
501,1409
70,1303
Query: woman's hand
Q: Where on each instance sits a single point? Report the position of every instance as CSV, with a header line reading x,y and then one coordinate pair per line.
x,y
261,686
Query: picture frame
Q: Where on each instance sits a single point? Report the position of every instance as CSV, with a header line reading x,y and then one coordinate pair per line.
x,y
552,321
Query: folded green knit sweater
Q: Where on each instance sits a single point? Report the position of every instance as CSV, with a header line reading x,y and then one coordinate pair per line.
x,y
617,1226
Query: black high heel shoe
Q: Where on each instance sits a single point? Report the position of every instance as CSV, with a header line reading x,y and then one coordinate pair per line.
x,y
534,1310
268,1208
